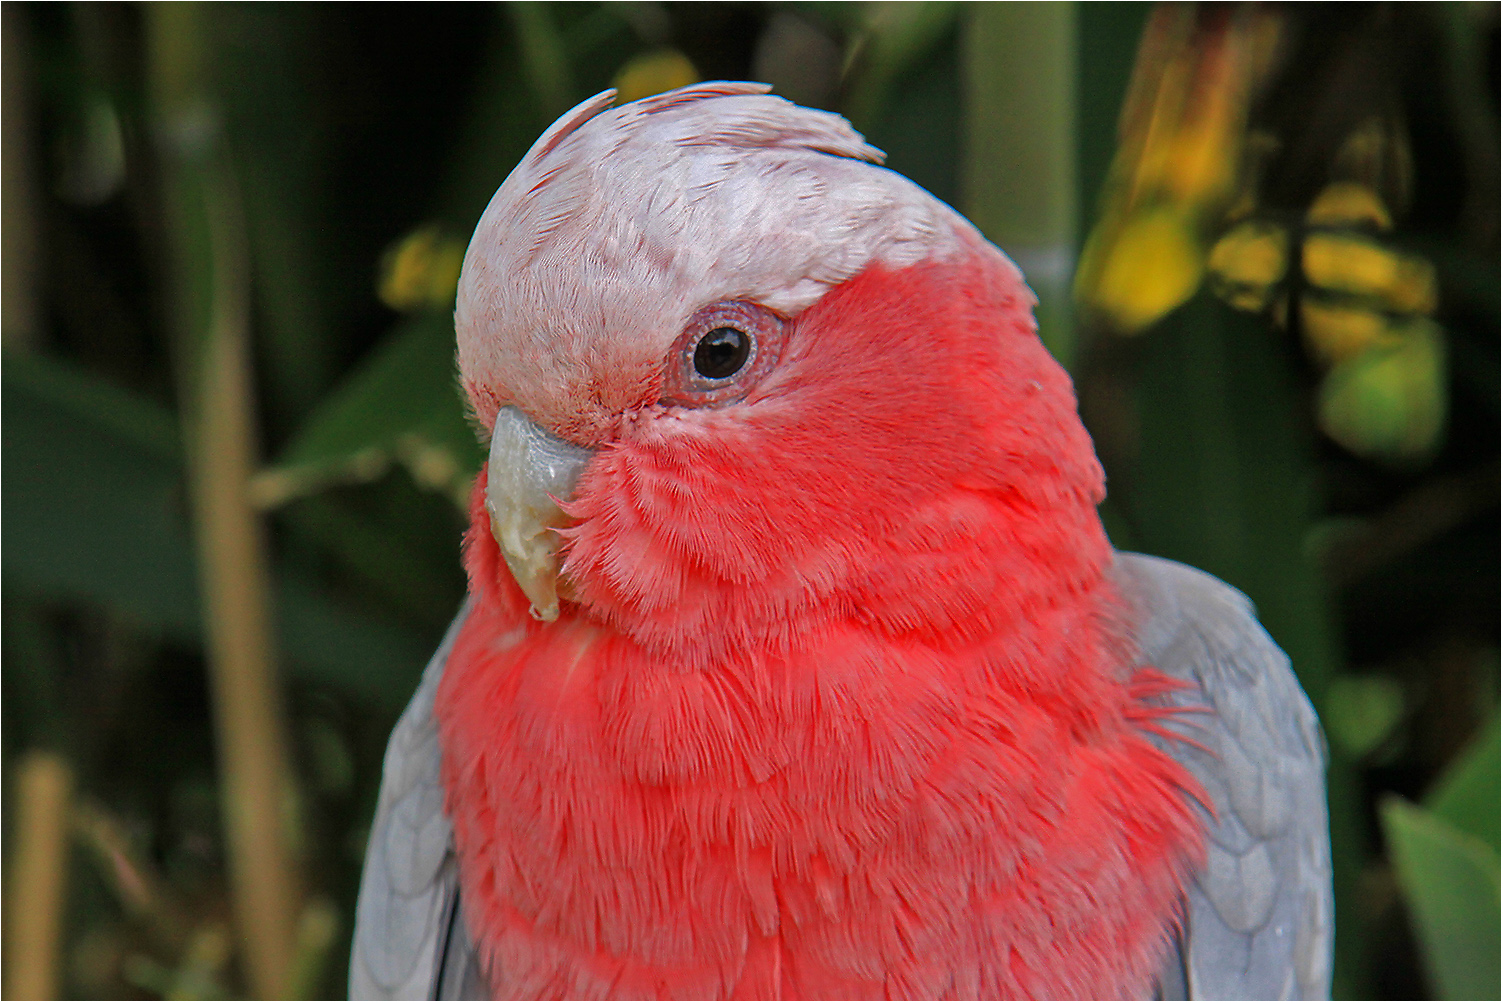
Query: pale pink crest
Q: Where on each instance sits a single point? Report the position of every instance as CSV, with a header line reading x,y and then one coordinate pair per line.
x,y
621,222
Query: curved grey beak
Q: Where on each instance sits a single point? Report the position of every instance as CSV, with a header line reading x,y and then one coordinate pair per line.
x,y
529,467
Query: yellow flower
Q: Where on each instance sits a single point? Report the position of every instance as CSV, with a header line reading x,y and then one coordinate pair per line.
x,y
1139,272
421,270
1354,265
1337,331
653,73
1346,203
1389,402
1247,262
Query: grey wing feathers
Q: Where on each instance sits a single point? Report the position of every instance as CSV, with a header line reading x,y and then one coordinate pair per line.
x,y
459,975
1258,920
408,937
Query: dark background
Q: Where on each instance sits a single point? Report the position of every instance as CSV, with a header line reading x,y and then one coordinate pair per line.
x,y
298,180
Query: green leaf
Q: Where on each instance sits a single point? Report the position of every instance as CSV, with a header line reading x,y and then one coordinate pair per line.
x,y
136,422
93,496
892,38
95,513
1389,402
547,66
402,404
1224,471
1450,880
1222,480
920,120
1108,47
266,68
338,641
1361,711
1466,795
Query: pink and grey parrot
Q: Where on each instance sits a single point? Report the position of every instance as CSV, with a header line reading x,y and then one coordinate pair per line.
x,y
796,662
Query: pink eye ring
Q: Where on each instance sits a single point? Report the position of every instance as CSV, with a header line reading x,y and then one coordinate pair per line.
x,y
723,352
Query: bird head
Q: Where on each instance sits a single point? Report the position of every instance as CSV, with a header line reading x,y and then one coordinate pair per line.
x,y
741,381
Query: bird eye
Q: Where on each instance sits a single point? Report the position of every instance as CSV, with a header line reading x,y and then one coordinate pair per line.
x,y
724,351
721,353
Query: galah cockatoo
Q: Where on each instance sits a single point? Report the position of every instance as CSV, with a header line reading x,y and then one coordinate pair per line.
x,y
796,662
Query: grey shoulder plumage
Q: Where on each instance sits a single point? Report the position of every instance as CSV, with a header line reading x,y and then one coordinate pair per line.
x,y
410,941
1258,920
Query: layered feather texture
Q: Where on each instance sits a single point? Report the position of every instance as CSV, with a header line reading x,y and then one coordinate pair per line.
x,y
844,705
619,223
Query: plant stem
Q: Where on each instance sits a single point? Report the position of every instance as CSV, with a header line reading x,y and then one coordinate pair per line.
x,y
37,877
1019,71
210,286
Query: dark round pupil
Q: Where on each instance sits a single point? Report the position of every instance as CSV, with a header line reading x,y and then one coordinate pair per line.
x,y
721,353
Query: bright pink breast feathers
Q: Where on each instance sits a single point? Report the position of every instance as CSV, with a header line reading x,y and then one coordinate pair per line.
x,y
843,709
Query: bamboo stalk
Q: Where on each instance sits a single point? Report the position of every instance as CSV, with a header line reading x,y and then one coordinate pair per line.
x,y
37,877
18,249
210,284
1019,73
247,711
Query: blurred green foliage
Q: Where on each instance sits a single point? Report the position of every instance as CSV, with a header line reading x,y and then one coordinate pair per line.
x,y
1339,467
1446,857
